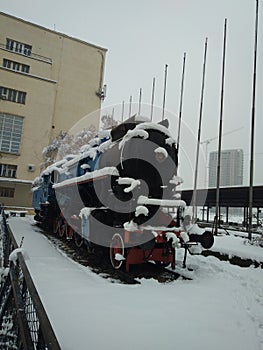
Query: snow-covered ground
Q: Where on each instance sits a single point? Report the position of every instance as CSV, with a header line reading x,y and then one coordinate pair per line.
x,y
221,308
237,246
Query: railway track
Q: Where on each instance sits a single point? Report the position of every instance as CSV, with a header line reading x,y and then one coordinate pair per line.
x,y
234,260
96,261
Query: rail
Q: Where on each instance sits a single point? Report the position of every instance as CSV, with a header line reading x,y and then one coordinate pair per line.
x,y
24,324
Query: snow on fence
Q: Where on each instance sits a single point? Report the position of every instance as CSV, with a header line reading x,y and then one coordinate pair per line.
x,y
23,321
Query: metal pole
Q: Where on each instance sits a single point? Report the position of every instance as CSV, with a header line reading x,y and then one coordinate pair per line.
x,y
220,132
130,106
122,111
164,89
181,103
253,130
152,102
140,101
199,136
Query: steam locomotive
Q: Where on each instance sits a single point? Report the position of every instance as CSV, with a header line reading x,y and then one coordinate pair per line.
x,y
120,192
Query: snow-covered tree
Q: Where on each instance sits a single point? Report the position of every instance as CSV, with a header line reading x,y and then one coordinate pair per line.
x,y
66,143
108,122
50,152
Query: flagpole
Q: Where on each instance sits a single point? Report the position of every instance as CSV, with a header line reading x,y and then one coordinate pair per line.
x,y
250,212
220,133
164,89
181,103
199,137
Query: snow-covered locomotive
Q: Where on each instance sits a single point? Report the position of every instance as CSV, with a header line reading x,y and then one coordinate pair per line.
x,y
120,192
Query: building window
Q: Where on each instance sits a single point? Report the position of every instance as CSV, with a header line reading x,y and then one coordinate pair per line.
x,y
12,95
19,67
10,133
18,47
7,192
8,170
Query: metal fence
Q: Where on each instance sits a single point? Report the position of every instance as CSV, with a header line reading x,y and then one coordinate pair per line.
x,y
23,321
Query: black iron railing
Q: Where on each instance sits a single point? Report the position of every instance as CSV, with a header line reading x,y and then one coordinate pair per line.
x,y
23,321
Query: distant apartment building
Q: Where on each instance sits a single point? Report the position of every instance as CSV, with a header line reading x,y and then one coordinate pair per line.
x,y
48,82
231,168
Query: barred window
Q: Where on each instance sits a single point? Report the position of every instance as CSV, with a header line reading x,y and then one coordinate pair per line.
x,y
19,67
10,133
19,47
8,170
12,95
7,192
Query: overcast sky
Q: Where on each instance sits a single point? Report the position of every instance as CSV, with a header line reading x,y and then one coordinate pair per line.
x,y
143,35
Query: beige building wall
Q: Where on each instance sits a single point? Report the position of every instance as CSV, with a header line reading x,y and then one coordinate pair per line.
x,y
62,86
22,192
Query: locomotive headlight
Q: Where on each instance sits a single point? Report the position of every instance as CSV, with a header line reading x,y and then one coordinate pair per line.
x,y
160,154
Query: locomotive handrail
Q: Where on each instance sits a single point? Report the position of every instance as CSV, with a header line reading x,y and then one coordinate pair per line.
x,y
23,319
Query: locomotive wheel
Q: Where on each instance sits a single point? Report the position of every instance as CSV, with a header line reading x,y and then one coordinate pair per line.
x,y
78,239
117,250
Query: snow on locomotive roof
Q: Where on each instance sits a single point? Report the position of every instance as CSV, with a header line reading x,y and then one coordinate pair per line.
x,y
154,126
51,167
140,131
58,165
88,176
104,133
133,133
104,146
89,153
95,142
